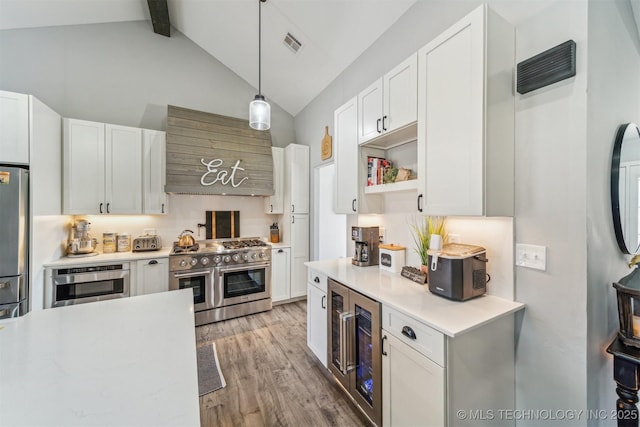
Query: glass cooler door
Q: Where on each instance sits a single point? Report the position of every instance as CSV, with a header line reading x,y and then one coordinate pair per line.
x,y
337,331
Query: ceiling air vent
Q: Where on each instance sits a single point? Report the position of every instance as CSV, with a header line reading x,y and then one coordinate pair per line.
x,y
292,43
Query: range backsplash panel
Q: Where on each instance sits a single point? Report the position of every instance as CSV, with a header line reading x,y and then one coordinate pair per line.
x,y
213,154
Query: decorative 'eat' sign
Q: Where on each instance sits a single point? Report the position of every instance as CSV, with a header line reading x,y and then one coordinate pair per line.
x,y
223,175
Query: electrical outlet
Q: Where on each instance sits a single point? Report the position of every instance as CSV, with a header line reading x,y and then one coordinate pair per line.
x,y
454,238
531,256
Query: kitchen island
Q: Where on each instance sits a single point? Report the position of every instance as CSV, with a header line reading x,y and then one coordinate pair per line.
x,y
129,361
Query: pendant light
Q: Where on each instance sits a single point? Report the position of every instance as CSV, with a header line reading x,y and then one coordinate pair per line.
x,y
259,109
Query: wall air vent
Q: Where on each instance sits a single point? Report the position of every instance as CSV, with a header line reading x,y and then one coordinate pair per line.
x,y
550,66
292,43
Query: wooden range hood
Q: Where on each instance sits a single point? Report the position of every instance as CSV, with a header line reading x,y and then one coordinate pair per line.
x,y
213,154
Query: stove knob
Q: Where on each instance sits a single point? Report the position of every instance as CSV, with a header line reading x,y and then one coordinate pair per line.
x,y
245,257
194,261
204,260
183,262
261,254
217,259
235,257
227,258
253,255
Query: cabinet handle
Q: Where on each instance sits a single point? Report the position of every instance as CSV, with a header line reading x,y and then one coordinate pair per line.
x,y
384,127
419,204
293,208
317,279
271,208
153,262
108,204
293,220
408,332
280,251
323,301
163,208
101,207
4,285
378,125
384,353
353,205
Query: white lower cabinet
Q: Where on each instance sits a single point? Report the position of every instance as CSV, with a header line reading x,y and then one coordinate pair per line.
x,y
280,274
317,315
152,275
413,386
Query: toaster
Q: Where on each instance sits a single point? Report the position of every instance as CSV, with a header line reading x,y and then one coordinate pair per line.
x,y
461,272
146,243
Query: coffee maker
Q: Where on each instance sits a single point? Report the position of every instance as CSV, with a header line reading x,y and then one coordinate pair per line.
x,y
367,240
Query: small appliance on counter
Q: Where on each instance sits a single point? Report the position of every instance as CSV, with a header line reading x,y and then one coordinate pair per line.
x,y
147,242
391,257
460,271
80,243
367,241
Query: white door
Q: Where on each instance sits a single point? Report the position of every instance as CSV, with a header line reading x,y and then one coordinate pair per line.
x,y
152,276
14,128
83,167
331,228
401,95
317,322
153,171
123,169
345,180
280,274
370,112
298,164
299,254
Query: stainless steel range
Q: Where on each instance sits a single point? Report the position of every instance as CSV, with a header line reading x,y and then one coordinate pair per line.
x,y
229,278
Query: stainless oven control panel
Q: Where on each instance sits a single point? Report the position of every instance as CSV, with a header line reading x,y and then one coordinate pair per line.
x,y
180,262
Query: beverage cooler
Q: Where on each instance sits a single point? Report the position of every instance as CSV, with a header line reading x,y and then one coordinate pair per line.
x,y
354,351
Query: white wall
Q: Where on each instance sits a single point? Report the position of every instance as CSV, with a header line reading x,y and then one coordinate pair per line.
x,y
613,99
124,73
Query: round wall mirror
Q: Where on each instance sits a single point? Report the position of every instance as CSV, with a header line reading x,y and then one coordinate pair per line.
x,y
625,188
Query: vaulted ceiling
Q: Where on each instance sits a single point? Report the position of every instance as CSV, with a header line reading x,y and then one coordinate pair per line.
x,y
332,33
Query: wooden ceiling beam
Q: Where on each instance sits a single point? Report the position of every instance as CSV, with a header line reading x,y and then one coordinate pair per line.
x,y
159,16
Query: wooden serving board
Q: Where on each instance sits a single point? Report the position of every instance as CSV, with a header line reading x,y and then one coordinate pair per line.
x,y
326,145
222,224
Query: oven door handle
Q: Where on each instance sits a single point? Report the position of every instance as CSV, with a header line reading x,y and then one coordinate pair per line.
x,y
222,270
191,274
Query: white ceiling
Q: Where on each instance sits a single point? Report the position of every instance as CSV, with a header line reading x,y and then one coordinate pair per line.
x,y
333,34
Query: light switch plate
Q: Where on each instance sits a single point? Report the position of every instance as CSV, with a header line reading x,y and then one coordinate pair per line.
x,y
531,256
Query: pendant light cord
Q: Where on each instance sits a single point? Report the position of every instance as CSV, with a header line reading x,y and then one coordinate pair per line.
x,y
260,46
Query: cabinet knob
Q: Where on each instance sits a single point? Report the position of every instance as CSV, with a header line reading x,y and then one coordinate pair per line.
x,y
153,262
317,279
280,251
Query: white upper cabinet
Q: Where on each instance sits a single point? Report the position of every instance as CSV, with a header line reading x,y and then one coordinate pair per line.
x,y
297,178
390,103
275,204
83,167
466,119
14,128
102,168
350,161
123,169
153,172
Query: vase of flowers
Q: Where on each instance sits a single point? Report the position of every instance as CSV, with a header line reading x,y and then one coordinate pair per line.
x,y
421,230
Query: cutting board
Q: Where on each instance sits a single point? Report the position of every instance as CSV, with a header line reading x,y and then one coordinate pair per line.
x,y
223,224
325,145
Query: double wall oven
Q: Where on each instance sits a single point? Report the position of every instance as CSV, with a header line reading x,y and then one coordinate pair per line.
x,y
229,278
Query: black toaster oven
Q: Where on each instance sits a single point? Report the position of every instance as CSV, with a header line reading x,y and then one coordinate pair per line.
x,y
461,272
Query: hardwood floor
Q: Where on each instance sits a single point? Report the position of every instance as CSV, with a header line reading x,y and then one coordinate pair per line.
x,y
272,378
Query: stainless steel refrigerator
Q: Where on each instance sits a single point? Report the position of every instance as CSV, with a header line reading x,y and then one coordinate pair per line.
x,y
14,241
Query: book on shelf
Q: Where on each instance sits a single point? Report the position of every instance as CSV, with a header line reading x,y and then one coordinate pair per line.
x,y
376,168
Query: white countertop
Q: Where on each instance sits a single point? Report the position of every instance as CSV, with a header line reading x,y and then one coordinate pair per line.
x,y
449,317
109,257
280,245
129,361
